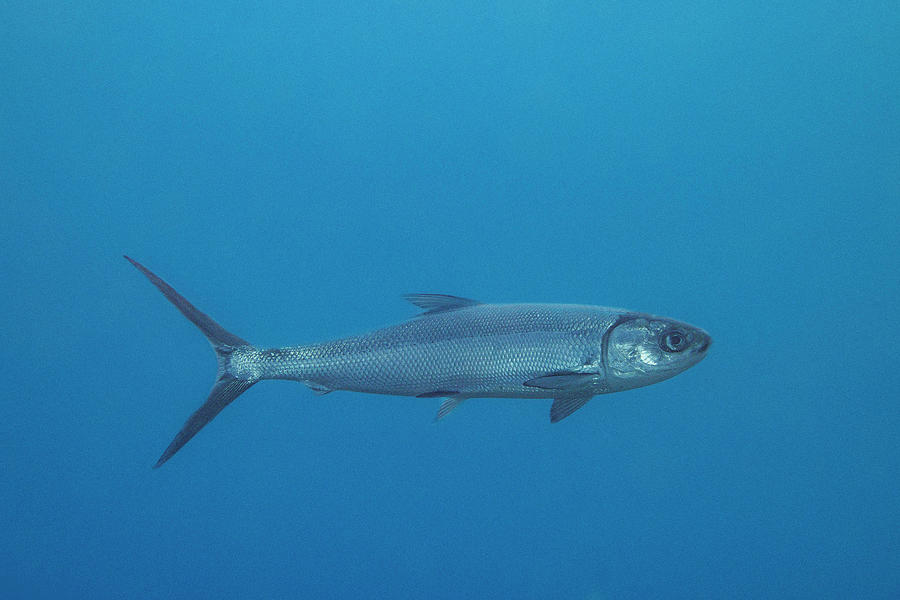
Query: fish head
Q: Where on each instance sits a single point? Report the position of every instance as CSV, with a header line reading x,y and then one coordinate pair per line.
x,y
644,349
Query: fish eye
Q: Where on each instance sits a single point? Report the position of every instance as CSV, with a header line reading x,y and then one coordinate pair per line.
x,y
673,341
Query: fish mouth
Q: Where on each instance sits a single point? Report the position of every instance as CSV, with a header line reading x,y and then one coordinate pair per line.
x,y
707,340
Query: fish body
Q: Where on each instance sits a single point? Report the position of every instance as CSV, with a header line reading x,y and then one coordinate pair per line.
x,y
458,349
481,350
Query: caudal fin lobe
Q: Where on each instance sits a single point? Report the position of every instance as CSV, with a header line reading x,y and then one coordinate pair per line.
x,y
226,388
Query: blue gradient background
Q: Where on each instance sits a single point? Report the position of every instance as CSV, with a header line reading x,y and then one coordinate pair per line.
x,y
293,168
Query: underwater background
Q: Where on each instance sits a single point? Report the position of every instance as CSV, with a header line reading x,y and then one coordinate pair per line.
x,y
293,168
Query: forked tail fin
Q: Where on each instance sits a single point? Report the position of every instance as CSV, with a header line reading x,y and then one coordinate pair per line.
x,y
226,388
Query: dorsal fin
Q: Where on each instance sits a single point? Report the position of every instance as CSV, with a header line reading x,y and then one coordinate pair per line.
x,y
433,303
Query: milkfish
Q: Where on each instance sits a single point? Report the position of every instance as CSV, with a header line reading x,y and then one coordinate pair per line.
x,y
457,349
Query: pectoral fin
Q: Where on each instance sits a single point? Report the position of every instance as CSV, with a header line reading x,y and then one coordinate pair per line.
x,y
565,406
562,380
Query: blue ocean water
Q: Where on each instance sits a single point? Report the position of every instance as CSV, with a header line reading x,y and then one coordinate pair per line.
x,y
293,168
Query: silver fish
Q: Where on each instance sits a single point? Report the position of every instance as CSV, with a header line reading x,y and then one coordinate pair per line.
x,y
458,349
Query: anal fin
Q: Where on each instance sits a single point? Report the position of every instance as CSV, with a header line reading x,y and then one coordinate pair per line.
x,y
447,406
317,388
437,394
